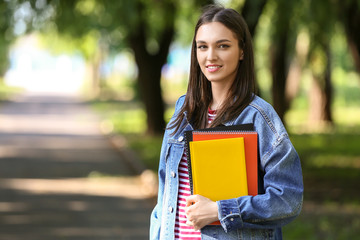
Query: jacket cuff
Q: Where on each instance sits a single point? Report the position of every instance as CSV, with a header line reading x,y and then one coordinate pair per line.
x,y
229,214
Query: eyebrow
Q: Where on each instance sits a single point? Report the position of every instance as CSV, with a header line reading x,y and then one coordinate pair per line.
x,y
218,41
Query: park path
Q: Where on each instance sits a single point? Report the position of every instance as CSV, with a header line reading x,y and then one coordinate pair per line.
x,y
51,156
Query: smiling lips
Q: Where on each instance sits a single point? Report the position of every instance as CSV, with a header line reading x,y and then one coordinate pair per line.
x,y
213,68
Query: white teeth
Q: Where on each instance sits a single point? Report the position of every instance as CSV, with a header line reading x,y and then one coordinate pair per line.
x,y
213,67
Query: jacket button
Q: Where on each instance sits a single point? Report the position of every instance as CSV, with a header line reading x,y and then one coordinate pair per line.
x,y
170,209
181,138
173,174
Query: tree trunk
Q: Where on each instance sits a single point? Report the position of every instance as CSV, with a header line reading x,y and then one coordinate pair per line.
x,y
321,93
316,101
95,65
279,71
349,12
251,12
320,102
328,89
149,66
150,93
295,70
355,51
279,55
92,78
293,80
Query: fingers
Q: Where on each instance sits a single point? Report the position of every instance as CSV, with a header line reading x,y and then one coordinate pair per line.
x,y
191,212
200,211
191,200
195,224
191,223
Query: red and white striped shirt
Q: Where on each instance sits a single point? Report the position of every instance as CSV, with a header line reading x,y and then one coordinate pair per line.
x,y
183,231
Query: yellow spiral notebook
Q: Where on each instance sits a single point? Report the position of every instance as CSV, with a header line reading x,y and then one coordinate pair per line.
x,y
218,168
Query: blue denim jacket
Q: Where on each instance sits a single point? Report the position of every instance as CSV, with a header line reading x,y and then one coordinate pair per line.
x,y
249,217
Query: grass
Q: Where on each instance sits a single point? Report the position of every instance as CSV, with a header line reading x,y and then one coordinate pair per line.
x,y
6,92
128,119
331,171
330,160
148,149
325,223
125,117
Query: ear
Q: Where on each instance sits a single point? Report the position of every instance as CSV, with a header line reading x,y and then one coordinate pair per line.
x,y
241,55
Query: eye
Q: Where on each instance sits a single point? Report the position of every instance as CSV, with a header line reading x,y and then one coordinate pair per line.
x,y
224,46
202,46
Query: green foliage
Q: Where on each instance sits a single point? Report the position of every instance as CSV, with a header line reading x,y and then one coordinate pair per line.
x,y
347,87
321,18
340,50
124,117
113,21
187,14
325,223
236,4
331,169
57,44
328,149
262,43
148,149
7,34
7,92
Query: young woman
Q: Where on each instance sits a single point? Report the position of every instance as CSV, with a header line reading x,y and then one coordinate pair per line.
x,y
221,92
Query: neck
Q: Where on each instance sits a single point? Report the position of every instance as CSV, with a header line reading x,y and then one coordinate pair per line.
x,y
219,94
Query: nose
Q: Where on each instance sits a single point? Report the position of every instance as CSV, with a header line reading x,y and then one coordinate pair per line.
x,y
212,54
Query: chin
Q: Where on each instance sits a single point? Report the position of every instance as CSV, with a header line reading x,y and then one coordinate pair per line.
x,y
213,79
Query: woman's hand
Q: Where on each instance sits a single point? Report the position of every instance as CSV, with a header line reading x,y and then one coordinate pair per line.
x,y
200,211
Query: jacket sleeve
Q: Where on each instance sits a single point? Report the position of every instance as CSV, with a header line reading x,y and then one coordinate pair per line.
x,y
281,201
155,219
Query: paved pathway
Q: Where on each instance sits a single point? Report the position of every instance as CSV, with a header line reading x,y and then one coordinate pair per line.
x,y
51,157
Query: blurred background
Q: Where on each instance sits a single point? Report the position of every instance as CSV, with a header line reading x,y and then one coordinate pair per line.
x,y
128,60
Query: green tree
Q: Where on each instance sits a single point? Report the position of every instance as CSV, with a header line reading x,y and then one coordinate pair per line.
x,y
147,27
251,11
150,59
349,14
7,37
322,18
279,53
288,20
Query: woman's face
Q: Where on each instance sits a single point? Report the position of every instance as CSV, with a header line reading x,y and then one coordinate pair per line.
x,y
218,52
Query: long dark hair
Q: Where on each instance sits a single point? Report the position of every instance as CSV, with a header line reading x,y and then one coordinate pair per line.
x,y
199,94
